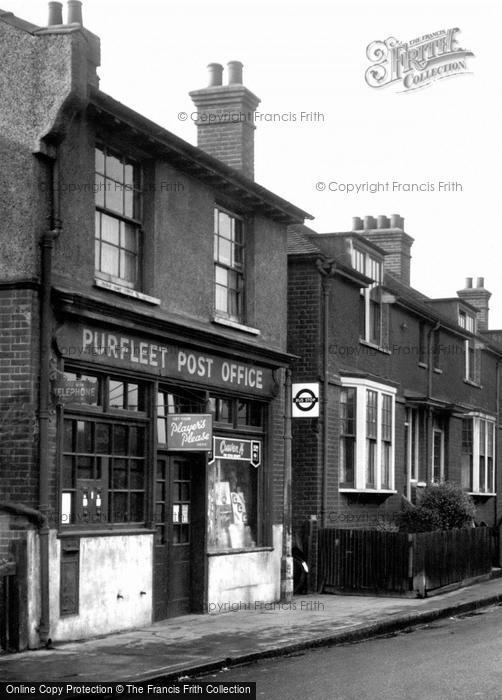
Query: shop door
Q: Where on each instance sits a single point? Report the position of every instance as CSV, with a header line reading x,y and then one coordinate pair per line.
x,y
179,541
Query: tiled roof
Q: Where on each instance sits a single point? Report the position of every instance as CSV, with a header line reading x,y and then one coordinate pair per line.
x,y
299,240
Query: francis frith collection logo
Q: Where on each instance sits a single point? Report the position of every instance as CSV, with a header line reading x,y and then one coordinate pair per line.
x,y
417,63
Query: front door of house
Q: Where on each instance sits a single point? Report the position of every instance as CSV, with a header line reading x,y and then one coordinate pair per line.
x,y
179,518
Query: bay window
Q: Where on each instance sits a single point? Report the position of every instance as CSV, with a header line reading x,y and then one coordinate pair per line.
x,y
478,454
367,427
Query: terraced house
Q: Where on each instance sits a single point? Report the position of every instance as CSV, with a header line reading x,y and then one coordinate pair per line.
x,y
143,367
409,385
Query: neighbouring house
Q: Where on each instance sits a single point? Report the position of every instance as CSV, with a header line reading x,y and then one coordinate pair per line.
x,y
409,386
142,363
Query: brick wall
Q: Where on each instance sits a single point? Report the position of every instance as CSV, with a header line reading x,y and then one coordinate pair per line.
x,y
18,395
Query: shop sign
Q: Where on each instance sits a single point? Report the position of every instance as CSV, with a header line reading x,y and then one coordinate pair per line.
x,y
241,450
75,391
79,342
306,400
191,432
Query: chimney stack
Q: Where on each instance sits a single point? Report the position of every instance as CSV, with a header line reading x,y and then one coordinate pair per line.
x,y
389,235
225,123
74,12
478,297
55,14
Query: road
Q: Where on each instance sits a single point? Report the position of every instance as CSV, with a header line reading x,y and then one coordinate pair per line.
x,y
455,658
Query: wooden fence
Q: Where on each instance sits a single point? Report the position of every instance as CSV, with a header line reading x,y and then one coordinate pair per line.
x,y
369,561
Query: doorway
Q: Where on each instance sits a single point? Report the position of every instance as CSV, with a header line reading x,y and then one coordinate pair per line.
x,y
178,575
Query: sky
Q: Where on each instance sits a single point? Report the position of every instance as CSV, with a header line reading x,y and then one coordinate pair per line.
x,y
310,57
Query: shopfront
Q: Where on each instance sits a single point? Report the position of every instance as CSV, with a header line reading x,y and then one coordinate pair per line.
x,y
164,479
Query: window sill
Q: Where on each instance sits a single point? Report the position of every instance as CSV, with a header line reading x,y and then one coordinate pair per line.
x,y
423,365
437,370
223,321
373,346
471,383
368,491
482,494
242,550
119,289
72,531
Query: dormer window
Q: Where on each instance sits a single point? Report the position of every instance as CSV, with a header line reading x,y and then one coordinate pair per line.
x,y
466,321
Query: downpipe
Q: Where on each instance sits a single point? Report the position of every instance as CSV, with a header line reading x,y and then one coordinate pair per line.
x,y
47,246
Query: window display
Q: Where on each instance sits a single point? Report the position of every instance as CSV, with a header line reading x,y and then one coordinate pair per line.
x,y
232,504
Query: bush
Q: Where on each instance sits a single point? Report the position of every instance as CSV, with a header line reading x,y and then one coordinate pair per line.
x,y
441,507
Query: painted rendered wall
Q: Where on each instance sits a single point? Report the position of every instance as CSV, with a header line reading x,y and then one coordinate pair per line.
x,y
247,578
109,566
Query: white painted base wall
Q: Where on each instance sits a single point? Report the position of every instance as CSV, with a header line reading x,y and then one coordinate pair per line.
x,y
246,578
115,570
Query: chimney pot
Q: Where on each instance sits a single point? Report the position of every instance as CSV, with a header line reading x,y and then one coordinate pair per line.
x,y
480,283
468,282
55,13
369,222
74,12
235,73
382,222
215,71
357,223
396,221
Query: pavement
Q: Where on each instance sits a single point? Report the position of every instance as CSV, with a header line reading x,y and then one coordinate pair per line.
x,y
196,644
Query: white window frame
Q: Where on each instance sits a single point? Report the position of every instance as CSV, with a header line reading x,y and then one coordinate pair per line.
x,y
361,386
439,431
368,265
490,424
413,445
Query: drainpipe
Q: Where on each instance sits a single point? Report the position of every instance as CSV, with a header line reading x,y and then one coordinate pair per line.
x,y
327,270
429,467
497,447
287,558
47,246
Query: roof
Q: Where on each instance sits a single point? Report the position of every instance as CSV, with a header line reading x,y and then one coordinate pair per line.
x,y
194,161
298,241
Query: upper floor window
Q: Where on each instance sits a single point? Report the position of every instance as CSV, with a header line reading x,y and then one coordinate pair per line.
x,y
466,321
229,253
373,326
118,218
366,435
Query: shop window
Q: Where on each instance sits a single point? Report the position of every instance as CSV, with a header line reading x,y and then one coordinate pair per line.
x,y
366,436
237,413
169,402
233,504
127,396
229,265
478,454
103,458
118,215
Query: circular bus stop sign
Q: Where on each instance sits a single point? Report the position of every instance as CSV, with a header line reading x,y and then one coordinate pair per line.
x,y
305,400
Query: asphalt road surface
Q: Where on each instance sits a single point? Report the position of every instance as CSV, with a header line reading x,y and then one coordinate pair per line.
x,y
455,658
